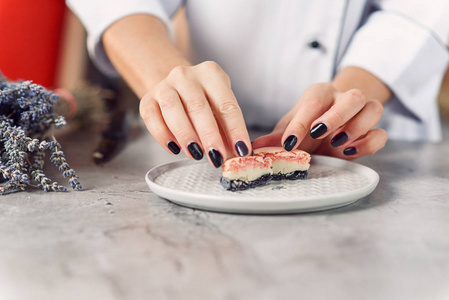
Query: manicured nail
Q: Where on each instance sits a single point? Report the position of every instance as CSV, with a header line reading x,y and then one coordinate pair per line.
x,y
350,151
241,148
215,157
318,130
339,139
195,150
290,142
173,147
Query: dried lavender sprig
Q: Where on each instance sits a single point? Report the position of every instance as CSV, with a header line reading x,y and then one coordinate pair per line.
x,y
31,103
26,115
16,179
13,158
58,159
38,175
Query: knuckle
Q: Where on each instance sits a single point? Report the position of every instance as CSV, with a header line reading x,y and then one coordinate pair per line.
x,y
228,107
156,129
208,135
301,128
147,109
195,105
166,100
336,116
146,112
235,131
357,96
315,102
326,87
211,65
356,93
178,71
182,132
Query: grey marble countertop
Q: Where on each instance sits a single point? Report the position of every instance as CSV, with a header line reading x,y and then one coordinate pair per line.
x,y
117,240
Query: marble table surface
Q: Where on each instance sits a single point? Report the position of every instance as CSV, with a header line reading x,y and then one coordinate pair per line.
x,y
117,240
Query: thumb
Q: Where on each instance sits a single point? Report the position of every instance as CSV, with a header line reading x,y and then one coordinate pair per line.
x,y
268,140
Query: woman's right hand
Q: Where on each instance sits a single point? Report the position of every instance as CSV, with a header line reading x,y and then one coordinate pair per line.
x,y
194,109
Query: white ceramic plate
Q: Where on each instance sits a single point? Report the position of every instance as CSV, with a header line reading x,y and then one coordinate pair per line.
x,y
331,183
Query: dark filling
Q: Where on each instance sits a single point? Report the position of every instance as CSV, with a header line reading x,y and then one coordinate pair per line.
x,y
295,175
239,185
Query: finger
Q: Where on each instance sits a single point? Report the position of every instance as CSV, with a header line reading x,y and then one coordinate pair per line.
x,y
368,144
178,123
203,121
346,106
274,138
229,147
315,101
359,125
271,139
226,109
152,116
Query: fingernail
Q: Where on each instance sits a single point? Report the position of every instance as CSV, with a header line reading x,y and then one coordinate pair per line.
x,y
350,151
318,130
195,150
173,147
290,142
215,157
241,148
339,139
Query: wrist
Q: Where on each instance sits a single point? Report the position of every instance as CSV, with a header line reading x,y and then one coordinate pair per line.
x,y
140,49
357,78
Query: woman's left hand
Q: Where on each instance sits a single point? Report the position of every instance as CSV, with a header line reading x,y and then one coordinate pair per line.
x,y
330,122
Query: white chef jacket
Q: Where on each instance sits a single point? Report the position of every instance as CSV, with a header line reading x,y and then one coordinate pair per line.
x,y
274,50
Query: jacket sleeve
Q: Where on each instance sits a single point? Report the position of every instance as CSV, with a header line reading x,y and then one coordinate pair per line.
x,y
404,44
98,15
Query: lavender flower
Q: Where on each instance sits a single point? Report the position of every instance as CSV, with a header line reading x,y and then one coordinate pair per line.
x,y
26,115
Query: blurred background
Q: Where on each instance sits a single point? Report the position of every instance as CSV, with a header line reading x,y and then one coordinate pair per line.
x,y
43,41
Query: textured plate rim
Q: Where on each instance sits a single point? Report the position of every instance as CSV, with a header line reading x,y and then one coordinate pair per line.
x,y
238,203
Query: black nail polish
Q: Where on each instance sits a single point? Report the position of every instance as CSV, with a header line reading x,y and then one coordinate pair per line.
x,y
339,139
241,148
350,151
290,142
318,130
173,147
216,158
195,150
